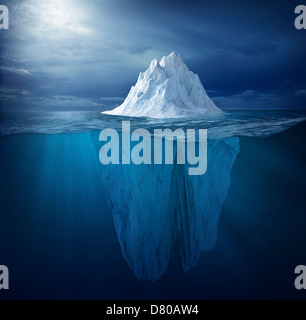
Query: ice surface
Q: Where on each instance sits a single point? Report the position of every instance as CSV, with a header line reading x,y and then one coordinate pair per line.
x,y
158,207
167,89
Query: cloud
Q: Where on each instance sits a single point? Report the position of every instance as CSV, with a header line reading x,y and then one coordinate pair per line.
x,y
138,49
252,100
69,102
9,93
255,48
16,70
300,93
12,98
112,99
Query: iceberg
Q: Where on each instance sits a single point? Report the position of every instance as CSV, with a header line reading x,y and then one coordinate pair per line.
x,y
159,208
167,89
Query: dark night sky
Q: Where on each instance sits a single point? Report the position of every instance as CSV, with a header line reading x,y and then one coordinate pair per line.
x,y
76,54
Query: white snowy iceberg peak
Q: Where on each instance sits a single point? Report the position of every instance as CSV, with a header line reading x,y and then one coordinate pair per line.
x,y
167,89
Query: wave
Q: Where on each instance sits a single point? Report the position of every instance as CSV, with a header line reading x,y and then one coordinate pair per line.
x,y
229,124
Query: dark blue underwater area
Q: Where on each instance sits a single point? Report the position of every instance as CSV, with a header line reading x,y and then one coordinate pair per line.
x,y
72,228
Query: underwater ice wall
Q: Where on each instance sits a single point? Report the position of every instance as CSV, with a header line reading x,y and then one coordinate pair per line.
x,y
197,201
157,207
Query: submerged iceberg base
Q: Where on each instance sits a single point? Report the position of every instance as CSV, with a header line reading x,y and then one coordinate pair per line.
x,y
158,207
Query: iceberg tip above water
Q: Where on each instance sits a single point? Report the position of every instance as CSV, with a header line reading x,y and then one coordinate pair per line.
x,y
167,89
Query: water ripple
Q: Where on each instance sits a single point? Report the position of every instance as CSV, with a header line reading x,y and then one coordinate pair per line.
x,y
229,124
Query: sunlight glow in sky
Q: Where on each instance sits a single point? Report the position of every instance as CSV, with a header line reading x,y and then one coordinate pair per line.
x,y
55,18
59,15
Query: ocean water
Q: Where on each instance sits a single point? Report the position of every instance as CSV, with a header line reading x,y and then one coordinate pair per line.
x,y
234,123
73,228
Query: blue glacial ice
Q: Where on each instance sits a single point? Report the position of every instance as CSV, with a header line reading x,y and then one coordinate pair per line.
x,y
159,207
